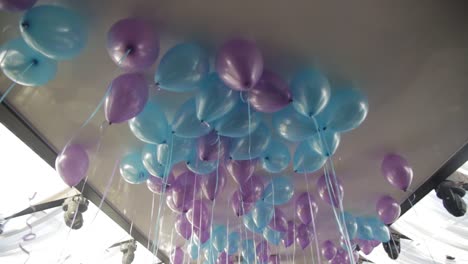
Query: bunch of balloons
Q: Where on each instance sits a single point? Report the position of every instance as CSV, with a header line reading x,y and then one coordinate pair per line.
x,y
49,33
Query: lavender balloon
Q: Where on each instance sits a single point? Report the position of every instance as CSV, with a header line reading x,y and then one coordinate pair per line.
x,y
72,164
290,235
177,256
328,250
156,184
211,147
306,207
274,259
279,222
238,206
252,189
133,44
185,187
239,64
212,184
388,209
199,215
240,170
270,94
303,236
202,235
263,251
397,171
16,5
334,198
183,226
224,258
127,97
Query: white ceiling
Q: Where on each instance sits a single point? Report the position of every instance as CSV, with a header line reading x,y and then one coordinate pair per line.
x,y
409,57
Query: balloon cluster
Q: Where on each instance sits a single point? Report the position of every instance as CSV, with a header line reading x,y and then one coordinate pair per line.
x,y
49,33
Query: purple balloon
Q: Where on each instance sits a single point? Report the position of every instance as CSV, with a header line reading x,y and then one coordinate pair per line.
x,y
238,206
239,63
224,258
155,184
199,215
177,256
133,43
16,5
263,251
240,170
252,189
366,246
183,226
388,209
336,195
306,207
202,235
72,164
127,97
328,250
270,94
290,235
208,146
170,203
212,184
279,222
397,171
303,236
274,259
184,189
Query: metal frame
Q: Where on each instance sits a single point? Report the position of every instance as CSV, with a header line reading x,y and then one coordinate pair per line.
x,y
16,123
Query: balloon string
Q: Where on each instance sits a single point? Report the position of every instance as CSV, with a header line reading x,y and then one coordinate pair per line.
x,y
104,195
30,235
294,239
151,220
312,217
417,216
250,132
10,88
216,186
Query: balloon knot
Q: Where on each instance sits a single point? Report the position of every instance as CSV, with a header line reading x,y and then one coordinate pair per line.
x,y
172,132
324,128
34,62
267,158
129,49
110,123
247,84
25,24
157,83
295,171
164,142
290,100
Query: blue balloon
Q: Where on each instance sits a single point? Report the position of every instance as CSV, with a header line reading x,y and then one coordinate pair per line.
x,y
132,169
293,126
272,236
151,124
306,159
182,68
250,224
351,225
24,65
219,238
214,99
325,143
57,32
186,124
248,250
198,166
233,243
379,230
149,158
193,248
236,123
311,92
345,111
279,191
177,149
262,213
276,157
251,146
364,228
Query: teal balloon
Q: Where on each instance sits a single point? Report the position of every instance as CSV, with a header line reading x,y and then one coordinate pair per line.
x,y
150,125
219,238
149,157
177,149
193,248
379,230
58,33
233,243
182,68
276,157
364,228
345,111
132,169
214,99
351,225
251,146
306,159
248,250
250,224
279,191
26,66
201,167
262,214
311,92
236,123
272,236
325,143
186,124
293,126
